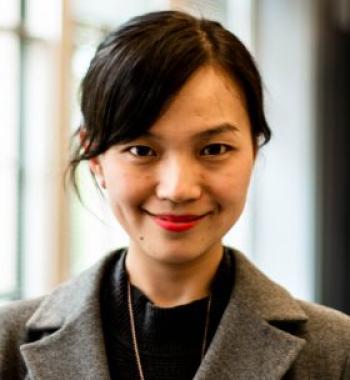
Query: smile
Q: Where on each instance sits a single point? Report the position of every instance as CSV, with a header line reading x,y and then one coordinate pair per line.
x,y
177,223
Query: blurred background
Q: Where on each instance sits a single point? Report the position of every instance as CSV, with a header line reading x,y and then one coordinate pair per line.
x,y
296,226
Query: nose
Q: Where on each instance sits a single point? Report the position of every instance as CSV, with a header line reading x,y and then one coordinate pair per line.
x,y
179,181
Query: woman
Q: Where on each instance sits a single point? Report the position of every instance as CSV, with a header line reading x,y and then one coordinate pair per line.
x,y
173,121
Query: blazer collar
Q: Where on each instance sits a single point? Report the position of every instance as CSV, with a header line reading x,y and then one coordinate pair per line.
x,y
74,345
245,346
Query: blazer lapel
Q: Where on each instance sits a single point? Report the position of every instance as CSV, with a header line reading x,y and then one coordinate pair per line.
x,y
75,351
73,343
247,345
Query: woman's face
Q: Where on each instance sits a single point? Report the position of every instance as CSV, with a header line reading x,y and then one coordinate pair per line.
x,y
180,188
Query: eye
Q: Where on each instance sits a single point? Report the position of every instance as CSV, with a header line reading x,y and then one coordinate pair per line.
x,y
141,151
215,149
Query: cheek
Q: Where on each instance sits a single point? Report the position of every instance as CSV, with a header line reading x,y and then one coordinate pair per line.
x,y
127,189
232,187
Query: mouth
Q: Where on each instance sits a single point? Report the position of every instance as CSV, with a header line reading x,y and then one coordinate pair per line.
x,y
177,223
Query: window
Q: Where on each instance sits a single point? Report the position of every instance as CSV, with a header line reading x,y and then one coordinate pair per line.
x,y
30,39
10,69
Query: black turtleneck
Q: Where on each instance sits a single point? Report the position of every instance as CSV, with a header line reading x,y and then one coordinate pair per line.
x,y
169,339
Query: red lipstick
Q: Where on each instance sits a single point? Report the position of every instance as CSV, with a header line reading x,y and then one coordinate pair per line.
x,y
177,223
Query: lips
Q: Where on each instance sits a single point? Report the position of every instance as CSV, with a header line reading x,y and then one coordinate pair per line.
x,y
179,218
177,223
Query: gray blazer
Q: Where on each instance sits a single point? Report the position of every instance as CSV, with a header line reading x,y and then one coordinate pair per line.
x,y
264,334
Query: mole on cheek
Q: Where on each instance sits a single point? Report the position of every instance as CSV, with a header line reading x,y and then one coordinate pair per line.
x,y
141,238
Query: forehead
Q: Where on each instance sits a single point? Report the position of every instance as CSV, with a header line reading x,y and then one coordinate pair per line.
x,y
209,99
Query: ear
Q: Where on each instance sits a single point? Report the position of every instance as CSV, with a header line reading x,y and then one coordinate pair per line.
x,y
95,163
96,168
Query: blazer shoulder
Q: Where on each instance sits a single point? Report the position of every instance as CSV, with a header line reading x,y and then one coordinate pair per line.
x,y
13,334
327,327
329,322
327,335
18,310
327,332
13,318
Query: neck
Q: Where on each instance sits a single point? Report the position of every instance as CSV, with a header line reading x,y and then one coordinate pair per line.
x,y
172,284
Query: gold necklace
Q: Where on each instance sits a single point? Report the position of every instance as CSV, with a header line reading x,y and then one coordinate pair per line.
x,y
133,332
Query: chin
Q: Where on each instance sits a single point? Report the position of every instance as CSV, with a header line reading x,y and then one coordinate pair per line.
x,y
176,260
178,255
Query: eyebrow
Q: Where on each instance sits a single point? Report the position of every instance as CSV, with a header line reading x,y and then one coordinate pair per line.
x,y
217,130
213,131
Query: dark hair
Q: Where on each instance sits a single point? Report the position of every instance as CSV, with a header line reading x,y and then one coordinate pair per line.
x,y
139,68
